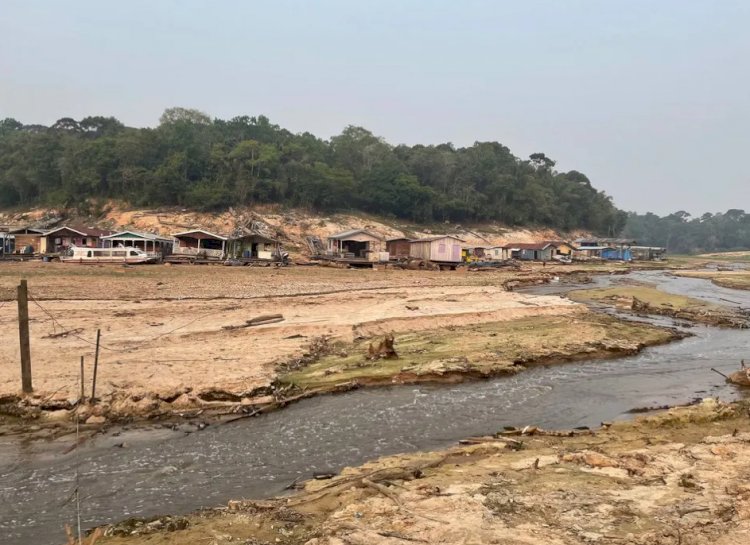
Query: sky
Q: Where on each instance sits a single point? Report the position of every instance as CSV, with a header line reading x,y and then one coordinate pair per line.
x,y
650,99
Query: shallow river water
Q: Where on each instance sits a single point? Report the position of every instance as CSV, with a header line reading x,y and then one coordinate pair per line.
x,y
162,471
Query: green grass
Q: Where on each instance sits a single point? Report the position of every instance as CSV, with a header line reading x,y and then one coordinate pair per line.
x,y
483,349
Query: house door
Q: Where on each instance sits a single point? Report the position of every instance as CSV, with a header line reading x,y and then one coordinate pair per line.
x,y
456,253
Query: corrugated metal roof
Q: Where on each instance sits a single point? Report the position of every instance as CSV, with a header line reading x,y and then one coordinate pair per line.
x,y
136,234
350,233
83,231
529,245
202,231
437,237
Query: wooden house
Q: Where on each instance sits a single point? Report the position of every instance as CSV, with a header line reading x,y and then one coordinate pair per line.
x,y
562,249
199,244
7,243
648,253
27,240
251,246
148,242
398,248
497,253
534,251
357,244
440,249
62,238
606,248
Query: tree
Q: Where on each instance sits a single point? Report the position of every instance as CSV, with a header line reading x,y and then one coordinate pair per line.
x,y
184,115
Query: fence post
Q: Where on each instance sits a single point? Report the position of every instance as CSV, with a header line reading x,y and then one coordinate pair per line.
x,y
96,366
23,336
83,386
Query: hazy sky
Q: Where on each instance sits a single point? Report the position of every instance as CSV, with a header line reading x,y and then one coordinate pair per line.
x,y
650,99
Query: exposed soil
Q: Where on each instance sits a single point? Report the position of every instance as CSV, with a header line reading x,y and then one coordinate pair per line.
x,y
174,341
676,478
646,300
482,350
739,279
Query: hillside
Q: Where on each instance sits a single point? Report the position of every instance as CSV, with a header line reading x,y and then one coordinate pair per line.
x,y
192,160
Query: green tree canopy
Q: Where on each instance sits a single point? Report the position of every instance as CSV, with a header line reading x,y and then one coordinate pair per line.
x,y
193,160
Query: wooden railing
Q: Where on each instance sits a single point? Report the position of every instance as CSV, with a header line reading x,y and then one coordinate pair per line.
x,y
198,251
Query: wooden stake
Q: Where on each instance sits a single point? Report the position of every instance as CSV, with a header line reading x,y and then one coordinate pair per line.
x,y
23,336
83,394
719,372
96,366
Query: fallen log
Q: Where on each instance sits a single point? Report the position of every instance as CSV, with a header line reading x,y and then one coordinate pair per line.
x,y
75,331
258,320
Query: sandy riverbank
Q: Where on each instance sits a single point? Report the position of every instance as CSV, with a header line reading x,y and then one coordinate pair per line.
x,y
673,478
170,341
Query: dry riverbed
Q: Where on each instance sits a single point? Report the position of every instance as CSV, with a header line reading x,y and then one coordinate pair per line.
x,y
675,478
647,300
739,279
174,342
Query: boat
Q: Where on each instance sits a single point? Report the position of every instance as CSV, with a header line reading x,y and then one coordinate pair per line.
x,y
124,254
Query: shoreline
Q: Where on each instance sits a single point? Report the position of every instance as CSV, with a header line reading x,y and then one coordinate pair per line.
x,y
36,419
416,496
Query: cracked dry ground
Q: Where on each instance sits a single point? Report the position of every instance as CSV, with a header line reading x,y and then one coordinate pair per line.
x,y
679,478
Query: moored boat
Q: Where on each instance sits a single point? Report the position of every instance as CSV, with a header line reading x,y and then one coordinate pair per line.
x,y
128,254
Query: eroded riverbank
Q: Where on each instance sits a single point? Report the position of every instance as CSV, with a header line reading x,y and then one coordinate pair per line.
x,y
672,479
179,354
137,474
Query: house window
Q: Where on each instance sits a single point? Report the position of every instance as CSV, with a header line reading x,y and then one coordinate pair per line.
x,y
441,248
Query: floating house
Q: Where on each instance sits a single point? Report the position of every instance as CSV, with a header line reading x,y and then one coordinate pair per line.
x,y
198,243
648,253
398,248
7,243
251,246
62,238
150,243
534,251
27,240
440,249
606,248
357,244
497,253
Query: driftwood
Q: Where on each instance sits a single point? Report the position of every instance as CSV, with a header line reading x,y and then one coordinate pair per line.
x,y
89,540
384,350
392,496
258,320
405,473
533,430
75,331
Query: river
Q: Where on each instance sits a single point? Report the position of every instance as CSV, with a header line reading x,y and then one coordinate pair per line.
x,y
148,472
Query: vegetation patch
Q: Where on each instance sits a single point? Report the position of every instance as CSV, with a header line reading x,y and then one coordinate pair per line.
x,y
481,350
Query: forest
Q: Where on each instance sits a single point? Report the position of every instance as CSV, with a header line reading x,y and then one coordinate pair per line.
x,y
195,161
682,233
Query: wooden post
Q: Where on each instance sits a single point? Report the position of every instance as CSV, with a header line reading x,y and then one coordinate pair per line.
x,y
23,336
96,366
83,395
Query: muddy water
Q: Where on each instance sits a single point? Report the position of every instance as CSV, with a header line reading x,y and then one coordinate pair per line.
x,y
162,471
